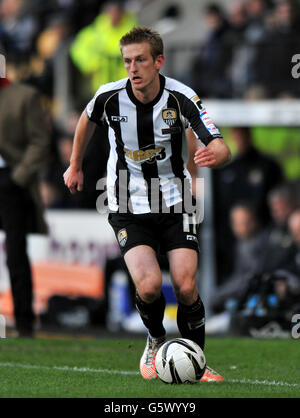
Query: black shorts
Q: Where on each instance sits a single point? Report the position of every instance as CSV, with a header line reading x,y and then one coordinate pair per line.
x,y
161,231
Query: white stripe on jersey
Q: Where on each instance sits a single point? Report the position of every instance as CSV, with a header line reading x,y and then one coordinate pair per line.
x,y
111,172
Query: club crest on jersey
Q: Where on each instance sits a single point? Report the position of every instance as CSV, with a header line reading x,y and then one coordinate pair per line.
x,y
122,237
169,116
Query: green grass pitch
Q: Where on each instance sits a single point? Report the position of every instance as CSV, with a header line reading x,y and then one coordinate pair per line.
x,y
108,368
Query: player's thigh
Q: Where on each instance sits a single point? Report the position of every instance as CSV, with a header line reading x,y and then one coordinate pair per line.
x,y
144,270
183,270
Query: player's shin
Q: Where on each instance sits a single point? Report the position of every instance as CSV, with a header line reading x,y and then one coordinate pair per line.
x,y
152,315
191,322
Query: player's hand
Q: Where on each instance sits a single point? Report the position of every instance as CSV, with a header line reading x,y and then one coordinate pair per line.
x,y
205,157
74,179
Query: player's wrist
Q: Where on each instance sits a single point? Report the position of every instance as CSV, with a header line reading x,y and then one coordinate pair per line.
x,y
76,165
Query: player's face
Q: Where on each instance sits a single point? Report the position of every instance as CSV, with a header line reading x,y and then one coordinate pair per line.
x,y
141,67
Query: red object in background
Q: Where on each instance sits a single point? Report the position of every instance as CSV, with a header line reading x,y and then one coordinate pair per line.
x,y
4,82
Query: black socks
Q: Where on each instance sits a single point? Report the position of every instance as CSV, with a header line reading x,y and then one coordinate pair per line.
x,y
190,318
152,315
191,322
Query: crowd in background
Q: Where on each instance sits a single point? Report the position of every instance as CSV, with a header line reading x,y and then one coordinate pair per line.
x,y
248,51
246,54
257,224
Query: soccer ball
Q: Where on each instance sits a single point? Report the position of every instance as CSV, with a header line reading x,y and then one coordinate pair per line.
x,y
180,361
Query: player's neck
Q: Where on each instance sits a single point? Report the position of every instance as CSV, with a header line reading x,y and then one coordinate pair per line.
x,y
149,93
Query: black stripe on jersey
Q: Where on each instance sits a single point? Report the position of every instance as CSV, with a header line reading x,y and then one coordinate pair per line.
x,y
98,110
112,108
145,132
176,157
191,112
176,140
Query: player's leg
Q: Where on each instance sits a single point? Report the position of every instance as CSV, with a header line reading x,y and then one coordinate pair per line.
x,y
14,216
145,272
146,275
191,313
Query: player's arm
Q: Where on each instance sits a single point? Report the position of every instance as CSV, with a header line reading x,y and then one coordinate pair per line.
x,y
73,176
215,154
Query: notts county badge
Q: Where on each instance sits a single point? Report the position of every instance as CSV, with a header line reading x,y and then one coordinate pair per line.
x,y
169,116
122,237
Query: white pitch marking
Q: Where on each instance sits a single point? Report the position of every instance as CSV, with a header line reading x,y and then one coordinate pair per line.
x,y
133,373
69,369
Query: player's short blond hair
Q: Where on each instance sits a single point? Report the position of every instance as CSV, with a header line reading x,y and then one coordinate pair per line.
x,y
143,34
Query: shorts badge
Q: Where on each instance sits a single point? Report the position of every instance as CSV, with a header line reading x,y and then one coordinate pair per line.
x,y
122,237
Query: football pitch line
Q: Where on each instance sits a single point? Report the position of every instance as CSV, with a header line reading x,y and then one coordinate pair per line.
x,y
135,373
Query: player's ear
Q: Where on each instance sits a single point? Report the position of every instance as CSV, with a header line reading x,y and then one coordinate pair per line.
x,y
160,59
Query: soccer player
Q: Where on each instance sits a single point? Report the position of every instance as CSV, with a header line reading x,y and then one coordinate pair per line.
x,y
148,115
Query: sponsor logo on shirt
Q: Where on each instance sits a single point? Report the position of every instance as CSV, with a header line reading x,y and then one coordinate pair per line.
x,y
148,154
119,119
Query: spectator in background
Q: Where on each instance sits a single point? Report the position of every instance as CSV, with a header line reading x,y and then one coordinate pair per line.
x,y
294,226
279,249
18,28
245,43
282,203
169,20
249,177
281,42
24,143
209,78
284,283
250,241
276,292
95,50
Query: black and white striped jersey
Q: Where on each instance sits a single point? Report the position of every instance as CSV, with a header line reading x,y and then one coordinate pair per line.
x,y
148,146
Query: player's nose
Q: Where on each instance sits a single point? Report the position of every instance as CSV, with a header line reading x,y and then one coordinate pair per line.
x,y
133,67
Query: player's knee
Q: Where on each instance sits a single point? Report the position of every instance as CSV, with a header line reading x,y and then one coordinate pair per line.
x,y
148,285
149,294
187,292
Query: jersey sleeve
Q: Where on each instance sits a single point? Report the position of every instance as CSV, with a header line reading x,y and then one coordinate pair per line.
x,y
196,116
95,109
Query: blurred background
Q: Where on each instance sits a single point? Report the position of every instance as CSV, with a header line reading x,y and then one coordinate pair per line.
x,y
242,59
